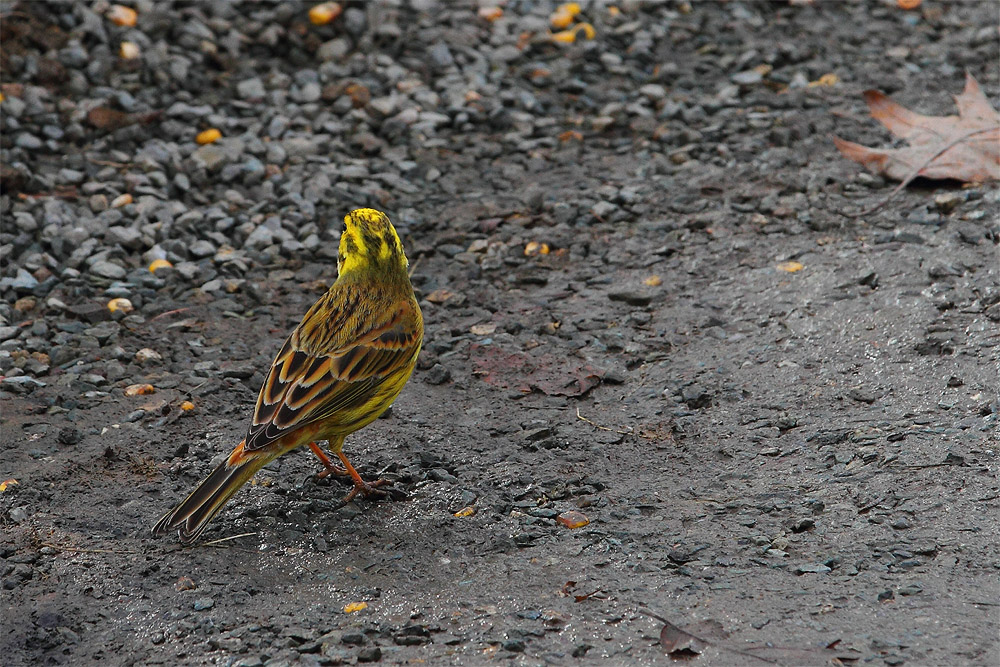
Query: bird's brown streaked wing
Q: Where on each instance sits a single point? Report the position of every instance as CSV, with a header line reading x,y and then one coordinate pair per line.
x,y
302,388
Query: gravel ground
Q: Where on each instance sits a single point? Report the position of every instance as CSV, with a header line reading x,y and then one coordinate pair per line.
x,y
806,459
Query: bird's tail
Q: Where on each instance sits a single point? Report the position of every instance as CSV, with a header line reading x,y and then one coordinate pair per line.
x,y
191,517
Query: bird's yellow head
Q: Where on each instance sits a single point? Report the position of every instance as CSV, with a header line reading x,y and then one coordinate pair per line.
x,y
370,243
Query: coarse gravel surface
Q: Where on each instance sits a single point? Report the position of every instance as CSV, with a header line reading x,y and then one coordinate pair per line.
x,y
648,297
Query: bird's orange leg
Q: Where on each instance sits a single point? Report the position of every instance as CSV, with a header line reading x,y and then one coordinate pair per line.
x,y
361,486
331,467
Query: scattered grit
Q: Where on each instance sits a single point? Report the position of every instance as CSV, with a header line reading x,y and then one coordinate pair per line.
x,y
804,456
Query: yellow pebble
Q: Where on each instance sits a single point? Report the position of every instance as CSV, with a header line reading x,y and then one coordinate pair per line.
x,y
158,264
324,13
209,136
121,15
121,200
561,19
121,304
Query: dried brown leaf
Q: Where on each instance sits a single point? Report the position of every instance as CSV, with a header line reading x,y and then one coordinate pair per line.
x,y
965,147
678,643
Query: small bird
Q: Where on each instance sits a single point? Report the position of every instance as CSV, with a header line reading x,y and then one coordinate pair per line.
x,y
341,367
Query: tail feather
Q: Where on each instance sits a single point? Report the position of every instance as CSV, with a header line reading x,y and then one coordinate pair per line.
x,y
192,515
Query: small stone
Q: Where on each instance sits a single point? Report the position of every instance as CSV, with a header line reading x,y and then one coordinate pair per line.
x,y
299,146
209,156
103,331
309,93
653,91
354,21
147,356
747,78
69,436
440,56
70,176
604,210
201,604
23,281
107,269
261,237
514,645
370,654
802,525
812,568
25,221
251,89
126,237
201,248
438,374
863,395
902,523
947,201
335,49
20,383
28,141
355,638
633,297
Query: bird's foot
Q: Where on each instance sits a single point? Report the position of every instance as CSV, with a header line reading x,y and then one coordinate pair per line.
x,y
372,490
331,467
332,470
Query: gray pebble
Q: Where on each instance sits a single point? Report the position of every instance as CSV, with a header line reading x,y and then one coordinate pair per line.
x,y
440,55
251,89
335,49
308,93
653,91
107,269
438,374
23,281
354,21
126,237
209,156
812,568
13,106
201,249
71,176
28,141
370,654
747,78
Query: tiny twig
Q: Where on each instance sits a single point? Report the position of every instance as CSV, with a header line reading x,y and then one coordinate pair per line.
x,y
413,268
168,313
86,551
223,539
109,163
916,172
599,427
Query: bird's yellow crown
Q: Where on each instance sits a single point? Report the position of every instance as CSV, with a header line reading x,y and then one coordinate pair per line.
x,y
370,243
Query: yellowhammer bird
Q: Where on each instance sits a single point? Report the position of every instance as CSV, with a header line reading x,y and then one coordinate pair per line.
x,y
341,367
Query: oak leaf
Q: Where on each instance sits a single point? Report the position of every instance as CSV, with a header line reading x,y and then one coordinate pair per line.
x,y
965,147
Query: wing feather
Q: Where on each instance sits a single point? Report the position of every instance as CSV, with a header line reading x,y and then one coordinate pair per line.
x,y
315,375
